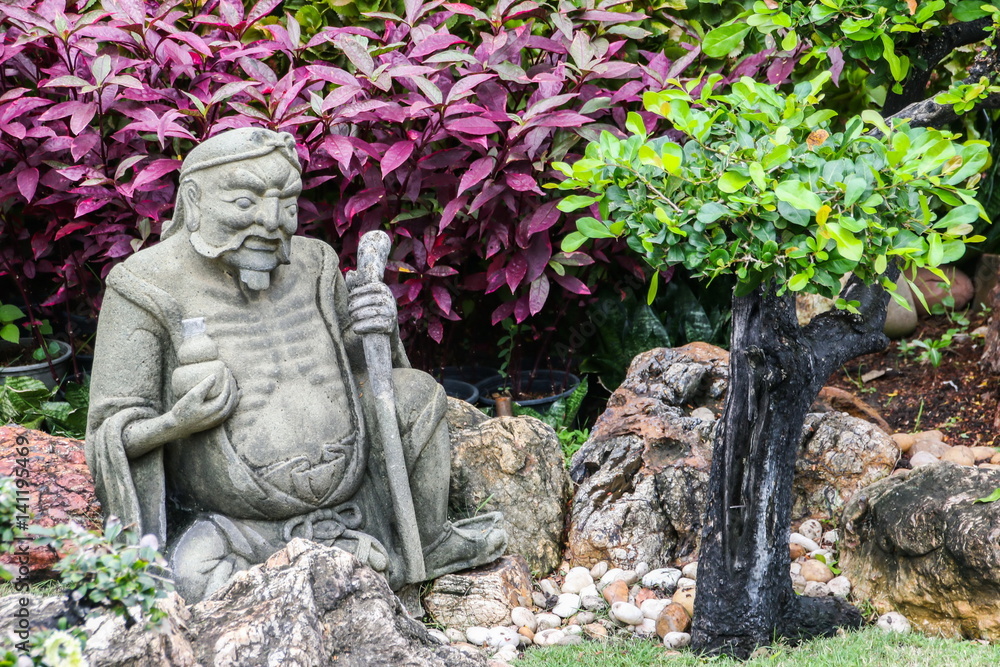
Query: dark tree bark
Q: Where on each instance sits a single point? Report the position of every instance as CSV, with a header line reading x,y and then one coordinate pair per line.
x,y
745,597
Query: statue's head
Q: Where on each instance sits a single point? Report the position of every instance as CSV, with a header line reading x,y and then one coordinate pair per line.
x,y
237,199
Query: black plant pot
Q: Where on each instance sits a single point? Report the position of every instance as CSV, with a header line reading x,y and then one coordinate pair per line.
x,y
553,385
470,374
461,390
36,370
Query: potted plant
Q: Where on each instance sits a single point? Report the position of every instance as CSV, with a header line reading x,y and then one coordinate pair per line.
x,y
30,356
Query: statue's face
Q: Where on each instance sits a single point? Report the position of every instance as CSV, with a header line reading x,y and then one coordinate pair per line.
x,y
246,212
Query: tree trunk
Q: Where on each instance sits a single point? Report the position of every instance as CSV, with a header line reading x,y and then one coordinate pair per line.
x,y
745,597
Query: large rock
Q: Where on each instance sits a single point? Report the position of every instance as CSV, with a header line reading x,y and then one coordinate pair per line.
x,y
920,544
936,290
60,487
514,465
483,597
308,605
643,474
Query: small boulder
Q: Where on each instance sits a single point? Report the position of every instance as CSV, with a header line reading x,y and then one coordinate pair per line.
x,y
960,454
484,596
673,618
814,570
958,287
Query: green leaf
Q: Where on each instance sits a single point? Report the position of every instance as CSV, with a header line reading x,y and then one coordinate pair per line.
x,y
574,202
849,245
9,313
572,241
732,181
594,229
935,253
798,282
798,194
719,42
10,333
634,124
855,188
777,156
757,174
711,212
992,498
654,284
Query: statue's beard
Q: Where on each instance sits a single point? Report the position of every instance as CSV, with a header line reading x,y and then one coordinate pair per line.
x,y
254,266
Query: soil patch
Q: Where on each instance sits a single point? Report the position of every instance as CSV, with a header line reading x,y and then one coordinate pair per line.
x,y
959,396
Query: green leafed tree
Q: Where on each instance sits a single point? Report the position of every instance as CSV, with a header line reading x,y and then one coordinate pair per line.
x,y
777,190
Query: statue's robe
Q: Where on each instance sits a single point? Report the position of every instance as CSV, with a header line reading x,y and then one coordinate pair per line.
x,y
293,458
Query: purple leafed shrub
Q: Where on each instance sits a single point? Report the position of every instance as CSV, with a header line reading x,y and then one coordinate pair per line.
x,y
438,128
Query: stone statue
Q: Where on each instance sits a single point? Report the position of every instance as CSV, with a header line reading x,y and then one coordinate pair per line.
x,y
235,402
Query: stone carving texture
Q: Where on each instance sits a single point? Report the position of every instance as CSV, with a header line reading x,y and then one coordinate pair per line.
x,y
237,396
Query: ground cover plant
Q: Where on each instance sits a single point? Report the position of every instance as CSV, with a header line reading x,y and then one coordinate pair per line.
x,y
761,186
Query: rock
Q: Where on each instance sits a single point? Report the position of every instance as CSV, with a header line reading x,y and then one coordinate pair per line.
x,y
454,635
960,454
690,570
981,454
798,583
549,587
477,636
595,631
523,617
664,579
673,618
646,629
935,290
547,622
503,657
501,637
583,618
840,586
933,435
935,448
438,635
570,640
684,582
652,607
795,568
834,399
677,640
599,570
484,596
796,551
539,599
685,598
568,604
899,321
626,613
893,621
573,630
816,589
803,541
643,473
921,459
814,570
514,465
528,636
630,577
904,441
611,576
58,467
577,579
615,592
307,605
704,414
996,458
990,466
808,306
642,569
592,602
811,529
920,544
549,637
831,537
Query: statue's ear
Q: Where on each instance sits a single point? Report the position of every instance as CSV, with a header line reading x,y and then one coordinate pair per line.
x,y
191,197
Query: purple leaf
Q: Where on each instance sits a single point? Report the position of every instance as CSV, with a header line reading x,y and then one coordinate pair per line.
x,y
395,156
82,116
522,183
442,297
473,125
517,266
466,84
479,170
538,293
154,171
450,209
27,181
433,43
571,284
836,57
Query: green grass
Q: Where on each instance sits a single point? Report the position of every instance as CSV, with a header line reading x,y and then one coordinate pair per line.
x,y
867,647
47,587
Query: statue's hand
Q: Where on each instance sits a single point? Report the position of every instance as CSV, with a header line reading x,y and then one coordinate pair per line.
x,y
373,308
194,412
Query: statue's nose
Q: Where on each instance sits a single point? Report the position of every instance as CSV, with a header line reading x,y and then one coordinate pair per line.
x,y
269,215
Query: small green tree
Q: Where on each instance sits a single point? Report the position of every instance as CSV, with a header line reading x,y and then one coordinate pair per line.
x,y
761,186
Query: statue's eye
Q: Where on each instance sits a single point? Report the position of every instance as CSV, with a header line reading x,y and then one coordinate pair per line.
x,y
291,209
244,202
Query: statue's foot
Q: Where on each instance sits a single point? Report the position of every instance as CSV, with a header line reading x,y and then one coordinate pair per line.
x,y
466,543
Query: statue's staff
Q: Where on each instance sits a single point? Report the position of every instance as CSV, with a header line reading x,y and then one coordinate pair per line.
x,y
373,251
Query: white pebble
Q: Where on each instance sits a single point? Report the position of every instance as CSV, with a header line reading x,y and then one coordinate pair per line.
x,y
652,607
506,654
642,568
477,636
611,576
538,598
684,582
816,589
438,636
627,613
576,580
690,570
592,602
822,554
798,583
549,587
664,579
570,640
839,586
573,629
501,636
633,592
677,640
523,617
921,459
831,537
811,529
645,629
568,604
589,590
583,618
704,414
795,568
549,637
805,542
598,570
893,622
547,621
454,635
630,577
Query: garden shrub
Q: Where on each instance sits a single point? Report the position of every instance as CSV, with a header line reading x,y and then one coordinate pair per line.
x,y
440,139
